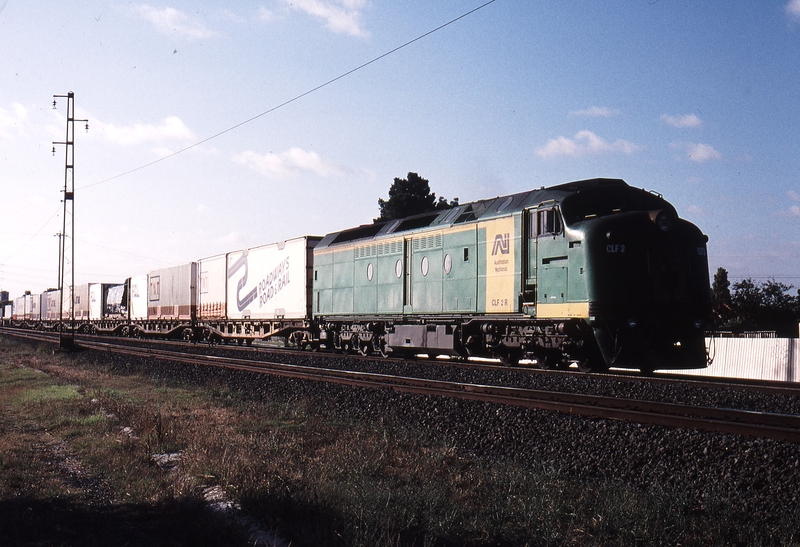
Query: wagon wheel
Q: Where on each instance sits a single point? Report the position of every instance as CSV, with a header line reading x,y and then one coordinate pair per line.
x,y
365,348
382,347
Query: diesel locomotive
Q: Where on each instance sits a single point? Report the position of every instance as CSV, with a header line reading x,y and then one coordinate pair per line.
x,y
593,272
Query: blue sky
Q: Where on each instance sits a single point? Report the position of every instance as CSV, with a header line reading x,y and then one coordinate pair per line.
x,y
696,100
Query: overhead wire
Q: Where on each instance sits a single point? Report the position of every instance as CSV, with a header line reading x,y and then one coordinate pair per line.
x,y
293,99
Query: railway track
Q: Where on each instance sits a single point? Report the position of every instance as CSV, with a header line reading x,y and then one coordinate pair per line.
x,y
783,427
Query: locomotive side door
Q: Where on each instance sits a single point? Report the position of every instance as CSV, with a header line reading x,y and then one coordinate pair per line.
x,y
529,263
551,263
405,270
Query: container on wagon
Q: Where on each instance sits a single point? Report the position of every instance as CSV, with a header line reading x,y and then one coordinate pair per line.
x,y
51,305
211,287
137,289
272,281
172,293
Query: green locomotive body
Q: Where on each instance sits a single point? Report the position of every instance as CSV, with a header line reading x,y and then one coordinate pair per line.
x,y
593,272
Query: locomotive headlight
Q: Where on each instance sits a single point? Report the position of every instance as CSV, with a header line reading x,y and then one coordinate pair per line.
x,y
663,220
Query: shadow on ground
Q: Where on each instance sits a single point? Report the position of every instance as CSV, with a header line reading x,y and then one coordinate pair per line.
x,y
63,523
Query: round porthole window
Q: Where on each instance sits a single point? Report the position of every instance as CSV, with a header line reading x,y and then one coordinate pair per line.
x,y
369,271
448,263
424,265
398,269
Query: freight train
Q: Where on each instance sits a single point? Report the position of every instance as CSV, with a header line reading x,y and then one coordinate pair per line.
x,y
595,273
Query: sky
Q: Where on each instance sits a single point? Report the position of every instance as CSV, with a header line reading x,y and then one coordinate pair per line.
x,y
218,126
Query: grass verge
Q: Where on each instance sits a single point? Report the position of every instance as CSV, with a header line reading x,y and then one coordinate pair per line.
x,y
77,466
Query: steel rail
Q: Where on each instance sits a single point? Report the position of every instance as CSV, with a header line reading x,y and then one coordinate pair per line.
x,y
782,427
786,389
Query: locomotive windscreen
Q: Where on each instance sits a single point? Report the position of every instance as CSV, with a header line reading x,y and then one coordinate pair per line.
x,y
604,201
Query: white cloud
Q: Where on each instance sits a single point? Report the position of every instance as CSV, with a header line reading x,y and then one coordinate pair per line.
x,y
595,112
793,9
697,152
14,120
687,120
169,20
794,196
171,128
791,212
340,16
266,15
696,210
585,143
292,162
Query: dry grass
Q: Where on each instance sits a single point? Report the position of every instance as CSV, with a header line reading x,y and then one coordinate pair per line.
x,y
314,479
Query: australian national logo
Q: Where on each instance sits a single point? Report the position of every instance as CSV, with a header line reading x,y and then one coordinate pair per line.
x,y
501,245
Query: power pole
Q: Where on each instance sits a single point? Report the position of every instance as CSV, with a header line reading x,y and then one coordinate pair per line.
x,y
66,255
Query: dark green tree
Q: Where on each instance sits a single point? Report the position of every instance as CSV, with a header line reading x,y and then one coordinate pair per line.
x,y
764,306
410,196
721,296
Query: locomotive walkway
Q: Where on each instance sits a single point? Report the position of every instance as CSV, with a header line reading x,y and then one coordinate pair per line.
x,y
783,427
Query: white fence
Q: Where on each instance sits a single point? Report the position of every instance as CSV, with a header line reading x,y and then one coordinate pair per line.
x,y
753,358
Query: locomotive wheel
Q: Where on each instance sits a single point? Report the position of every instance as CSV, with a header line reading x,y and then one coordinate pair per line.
x,y
365,348
592,365
509,358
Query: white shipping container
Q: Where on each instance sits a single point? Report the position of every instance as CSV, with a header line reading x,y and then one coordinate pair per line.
x,y
22,307
138,297
211,286
95,301
172,293
51,305
271,281
80,303
8,311
34,307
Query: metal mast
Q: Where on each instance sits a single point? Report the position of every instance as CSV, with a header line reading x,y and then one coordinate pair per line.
x,y
66,255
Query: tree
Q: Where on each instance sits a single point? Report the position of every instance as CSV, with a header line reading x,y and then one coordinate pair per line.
x,y
764,306
410,196
721,296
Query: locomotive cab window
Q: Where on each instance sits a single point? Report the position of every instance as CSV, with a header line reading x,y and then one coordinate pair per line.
x,y
545,222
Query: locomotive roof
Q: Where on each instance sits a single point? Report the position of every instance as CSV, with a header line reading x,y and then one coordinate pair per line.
x,y
468,212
